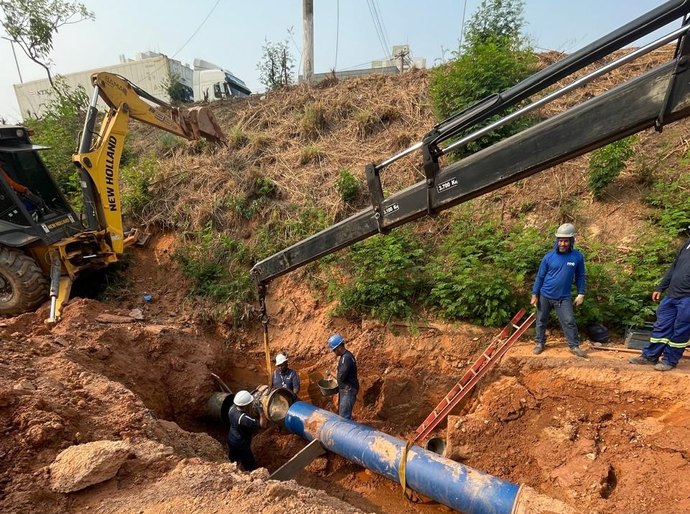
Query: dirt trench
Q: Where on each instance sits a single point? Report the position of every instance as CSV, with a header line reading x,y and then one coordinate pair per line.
x,y
599,434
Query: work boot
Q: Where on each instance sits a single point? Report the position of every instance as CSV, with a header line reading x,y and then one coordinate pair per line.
x,y
641,360
663,366
538,348
576,350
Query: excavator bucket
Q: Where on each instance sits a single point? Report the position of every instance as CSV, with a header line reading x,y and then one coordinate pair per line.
x,y
202,123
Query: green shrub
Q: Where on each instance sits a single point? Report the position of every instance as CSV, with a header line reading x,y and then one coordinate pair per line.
x,y
218,267
387,277
476,292
285,228
493,58
348,186
606,163
137,179
670,196
59,129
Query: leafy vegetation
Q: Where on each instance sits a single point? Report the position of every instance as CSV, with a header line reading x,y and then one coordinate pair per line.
x,y
59,128
494,57
284,228
177,91
607,162
670,197
276,65
137,180
388,274
348,186
32,25
218,267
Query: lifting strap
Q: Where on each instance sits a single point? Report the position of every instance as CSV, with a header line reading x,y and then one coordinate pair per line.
x,y
263,316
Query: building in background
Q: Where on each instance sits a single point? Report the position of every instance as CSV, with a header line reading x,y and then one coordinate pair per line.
x,y
151,71
399,62
401,59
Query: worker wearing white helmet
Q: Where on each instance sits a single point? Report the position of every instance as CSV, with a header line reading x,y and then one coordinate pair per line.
x,y
559,269
285,377
242,428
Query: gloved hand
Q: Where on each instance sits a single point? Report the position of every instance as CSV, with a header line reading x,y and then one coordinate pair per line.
x,y
578,300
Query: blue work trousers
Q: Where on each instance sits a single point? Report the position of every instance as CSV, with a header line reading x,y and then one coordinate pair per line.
x,y
346,401
566,316
671,331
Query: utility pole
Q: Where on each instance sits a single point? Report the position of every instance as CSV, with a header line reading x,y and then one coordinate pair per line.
x,y
401,55
16,62
308,40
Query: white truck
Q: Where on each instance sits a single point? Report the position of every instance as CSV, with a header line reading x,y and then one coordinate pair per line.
x,y
211,83
151,71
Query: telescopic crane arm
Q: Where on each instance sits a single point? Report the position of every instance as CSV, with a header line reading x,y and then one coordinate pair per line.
x,y
660,96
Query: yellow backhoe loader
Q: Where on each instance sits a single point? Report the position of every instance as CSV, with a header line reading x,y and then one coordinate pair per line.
x,y
44,244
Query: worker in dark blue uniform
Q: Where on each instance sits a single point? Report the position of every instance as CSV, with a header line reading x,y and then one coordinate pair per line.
x,y
285,377
348,383
242,428
671,330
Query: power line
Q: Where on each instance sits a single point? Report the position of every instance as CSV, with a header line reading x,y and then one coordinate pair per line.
x,y
377,9
337,32
377,28
198,28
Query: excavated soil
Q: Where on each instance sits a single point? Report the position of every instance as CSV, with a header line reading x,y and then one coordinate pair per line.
x,y
599,434
123,383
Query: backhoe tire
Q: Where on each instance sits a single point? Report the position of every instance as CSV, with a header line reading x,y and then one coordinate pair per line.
x,y
23,286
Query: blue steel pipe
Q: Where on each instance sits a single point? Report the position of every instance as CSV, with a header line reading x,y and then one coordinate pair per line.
x,y
446,481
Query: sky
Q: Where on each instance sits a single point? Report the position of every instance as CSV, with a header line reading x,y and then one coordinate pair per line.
x,y
232,33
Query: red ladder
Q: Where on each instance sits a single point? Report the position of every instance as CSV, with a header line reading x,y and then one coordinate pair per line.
x,y
493,353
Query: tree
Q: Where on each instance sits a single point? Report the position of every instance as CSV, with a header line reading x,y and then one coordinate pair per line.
x,y
32,25
276,66
500,20
494,56
59,129
176,90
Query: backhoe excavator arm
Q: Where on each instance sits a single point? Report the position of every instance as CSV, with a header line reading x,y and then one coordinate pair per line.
x,y
98,157
660,96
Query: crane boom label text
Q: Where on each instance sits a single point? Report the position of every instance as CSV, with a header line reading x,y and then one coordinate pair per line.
x,y
444,186
391,208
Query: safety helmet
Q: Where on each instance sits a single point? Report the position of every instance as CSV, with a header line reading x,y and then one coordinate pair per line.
x,y
566,230
280,359
243,398
335,340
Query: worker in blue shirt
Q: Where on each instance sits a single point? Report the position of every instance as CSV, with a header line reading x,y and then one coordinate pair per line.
x,y
285,377
671,330
348,383
243,425
552,289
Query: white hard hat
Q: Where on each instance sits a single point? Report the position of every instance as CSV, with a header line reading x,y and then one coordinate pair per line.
x,y
566,230
243,398
280,359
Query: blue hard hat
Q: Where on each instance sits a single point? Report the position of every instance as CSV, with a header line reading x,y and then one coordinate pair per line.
x,y
335,340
